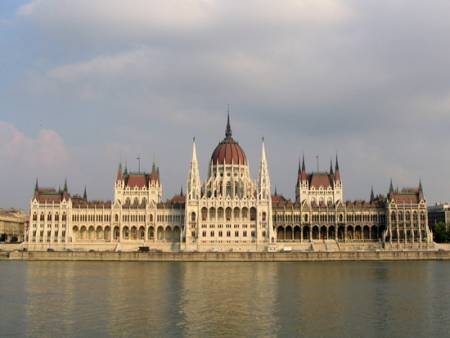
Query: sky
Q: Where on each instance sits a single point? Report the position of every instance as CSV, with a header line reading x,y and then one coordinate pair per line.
x,y
87,84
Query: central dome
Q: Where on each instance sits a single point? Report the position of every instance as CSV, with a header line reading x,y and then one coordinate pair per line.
x,y
228,151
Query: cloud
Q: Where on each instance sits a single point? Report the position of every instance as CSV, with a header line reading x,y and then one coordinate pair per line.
x,y
366,79
46,151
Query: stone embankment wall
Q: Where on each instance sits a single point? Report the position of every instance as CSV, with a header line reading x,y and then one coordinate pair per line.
x,y
233,256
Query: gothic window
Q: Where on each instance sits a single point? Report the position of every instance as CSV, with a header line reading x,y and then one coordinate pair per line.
x,y
244,213
212,213
34,217
264,216
204,214
253,214
49,217
228,214
193,217
236,213
229,189
63,217
236,233
220,213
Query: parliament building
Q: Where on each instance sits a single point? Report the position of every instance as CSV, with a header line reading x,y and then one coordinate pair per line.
x,y
229,211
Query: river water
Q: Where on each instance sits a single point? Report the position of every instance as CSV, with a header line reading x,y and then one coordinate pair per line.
x,y
326,299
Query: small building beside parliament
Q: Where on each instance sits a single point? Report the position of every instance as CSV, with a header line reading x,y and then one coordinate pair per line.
x,y
229,211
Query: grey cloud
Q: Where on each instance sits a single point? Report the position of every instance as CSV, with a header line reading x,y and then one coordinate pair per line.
x,y
366,79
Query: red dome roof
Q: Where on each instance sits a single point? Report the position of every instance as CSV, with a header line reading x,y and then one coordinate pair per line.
x,y
228,151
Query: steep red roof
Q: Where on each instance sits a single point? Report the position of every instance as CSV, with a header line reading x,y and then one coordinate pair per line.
x,y
405,196
318,180
137,180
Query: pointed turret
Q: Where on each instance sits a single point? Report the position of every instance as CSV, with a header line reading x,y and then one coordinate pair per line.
x,y
125,172
303,163
36,186
337,174
391,187
65,186
193,183
85,194
372,196
181,191
421,197
263,177
119,172
331,167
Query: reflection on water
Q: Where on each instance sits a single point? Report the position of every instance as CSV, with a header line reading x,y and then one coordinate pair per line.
x,y
99,299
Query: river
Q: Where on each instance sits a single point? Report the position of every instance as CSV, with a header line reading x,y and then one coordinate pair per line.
x,y
148,299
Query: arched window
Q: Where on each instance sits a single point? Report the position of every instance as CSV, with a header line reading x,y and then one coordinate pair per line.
x,y
264,216
228,214
244,213
212,213
34,217
49,217
204,214
253,214
220,213
229,189
236,213
193,217
63,217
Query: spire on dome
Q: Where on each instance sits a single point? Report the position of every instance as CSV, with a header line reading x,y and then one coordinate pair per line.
x,y
228,128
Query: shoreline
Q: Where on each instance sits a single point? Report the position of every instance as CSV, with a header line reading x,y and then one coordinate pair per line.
x,y
300,256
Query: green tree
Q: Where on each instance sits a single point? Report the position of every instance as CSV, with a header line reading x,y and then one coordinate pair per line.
x,y
441,233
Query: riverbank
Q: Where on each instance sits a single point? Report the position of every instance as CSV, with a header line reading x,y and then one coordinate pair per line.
x,y
232,256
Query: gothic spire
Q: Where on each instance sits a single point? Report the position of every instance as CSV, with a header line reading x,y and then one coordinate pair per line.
x,y
372,196
228,129
85,193
263,177
331,167
36,186
65,185
193,182
303,163
420,189
391,187
337,173
119,172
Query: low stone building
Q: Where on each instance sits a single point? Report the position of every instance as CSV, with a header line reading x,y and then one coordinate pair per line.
x,y
12,223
